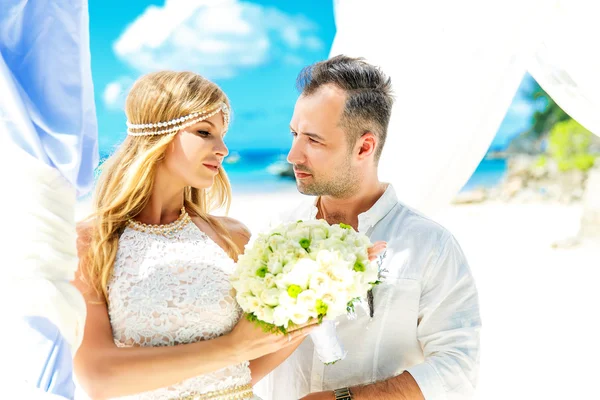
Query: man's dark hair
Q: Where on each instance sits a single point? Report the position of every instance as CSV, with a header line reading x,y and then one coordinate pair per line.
x,y
369,94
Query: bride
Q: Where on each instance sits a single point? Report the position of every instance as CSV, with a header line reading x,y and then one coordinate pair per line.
x,y
162,321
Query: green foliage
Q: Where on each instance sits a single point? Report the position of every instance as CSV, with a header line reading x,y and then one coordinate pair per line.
x,y
541,161
548,116
266,327
569,144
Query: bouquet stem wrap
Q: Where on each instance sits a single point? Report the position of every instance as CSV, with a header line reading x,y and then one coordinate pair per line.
x,y
327,344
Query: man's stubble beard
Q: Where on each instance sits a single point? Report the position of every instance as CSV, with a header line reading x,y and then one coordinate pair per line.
x,y
343,185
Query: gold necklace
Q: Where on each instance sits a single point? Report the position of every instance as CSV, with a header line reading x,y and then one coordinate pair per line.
x,y
165,229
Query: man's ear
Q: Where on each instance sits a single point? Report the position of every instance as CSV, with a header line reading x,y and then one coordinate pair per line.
x,y
367,144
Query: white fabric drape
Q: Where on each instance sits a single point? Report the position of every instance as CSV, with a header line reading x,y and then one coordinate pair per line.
x,y
39,246
48,139
566,60
455,67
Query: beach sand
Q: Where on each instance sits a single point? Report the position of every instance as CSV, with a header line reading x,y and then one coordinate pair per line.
x,y
538,304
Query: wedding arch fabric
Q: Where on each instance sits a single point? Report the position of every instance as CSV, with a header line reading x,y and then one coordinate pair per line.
x,y
48,137
455,68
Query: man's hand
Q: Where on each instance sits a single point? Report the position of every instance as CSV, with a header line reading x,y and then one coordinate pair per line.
x,y
320,396
377,248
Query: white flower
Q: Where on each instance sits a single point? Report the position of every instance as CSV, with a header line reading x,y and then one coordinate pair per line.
x,y
299,315
307,300
326,258
269,281
318,280
372,273
244,301
280,316
337,303
286,300
301,272
256,286
270,296
265,314
302,269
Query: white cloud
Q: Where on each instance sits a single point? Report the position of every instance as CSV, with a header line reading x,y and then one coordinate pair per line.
x,y
115,93
291,59
216,38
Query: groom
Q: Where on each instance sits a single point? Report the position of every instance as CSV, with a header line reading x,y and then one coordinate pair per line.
x,y
418,335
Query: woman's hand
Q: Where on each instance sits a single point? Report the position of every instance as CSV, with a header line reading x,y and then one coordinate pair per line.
x,y
251,340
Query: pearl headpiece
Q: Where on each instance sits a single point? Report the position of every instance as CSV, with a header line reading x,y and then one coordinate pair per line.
x,y
177,124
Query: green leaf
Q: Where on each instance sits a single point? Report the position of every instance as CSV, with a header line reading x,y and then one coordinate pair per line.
x,y
266,327
569,145
345,226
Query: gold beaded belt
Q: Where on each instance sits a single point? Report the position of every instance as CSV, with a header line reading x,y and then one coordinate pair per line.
x,y
234,393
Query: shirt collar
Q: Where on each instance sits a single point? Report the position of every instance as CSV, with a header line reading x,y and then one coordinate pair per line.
x,y
372,216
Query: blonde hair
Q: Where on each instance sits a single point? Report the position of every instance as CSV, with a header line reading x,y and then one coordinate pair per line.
x,y
127,177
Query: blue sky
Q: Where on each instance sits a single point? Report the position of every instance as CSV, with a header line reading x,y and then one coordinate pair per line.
x,y
253,50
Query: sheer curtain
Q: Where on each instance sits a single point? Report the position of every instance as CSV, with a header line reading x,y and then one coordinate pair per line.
x,y
566,60
455,67
48,136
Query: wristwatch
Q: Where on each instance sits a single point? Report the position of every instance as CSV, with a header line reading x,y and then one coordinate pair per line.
x,y
343,394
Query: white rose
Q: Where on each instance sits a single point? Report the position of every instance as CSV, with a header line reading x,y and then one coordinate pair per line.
x,y
285,299
270,297
276,242
319,233
250,303
298,233
281,316
341,272
335,303
336,233
307,300
372,273
265,314
280,281
274,265
289,258
359,287
327,258
269,281
299,315
255,286
244,301
301,272
320,282
241,286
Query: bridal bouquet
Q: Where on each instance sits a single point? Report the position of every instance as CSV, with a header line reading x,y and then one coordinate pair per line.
x,y
304,270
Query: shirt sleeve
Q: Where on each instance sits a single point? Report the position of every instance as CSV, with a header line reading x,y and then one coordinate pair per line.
x,y
448,327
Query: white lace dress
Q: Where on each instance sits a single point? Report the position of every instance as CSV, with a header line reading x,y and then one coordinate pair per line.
x,y
174,289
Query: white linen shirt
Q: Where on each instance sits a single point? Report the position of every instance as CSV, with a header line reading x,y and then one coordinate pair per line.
x,y
426,315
